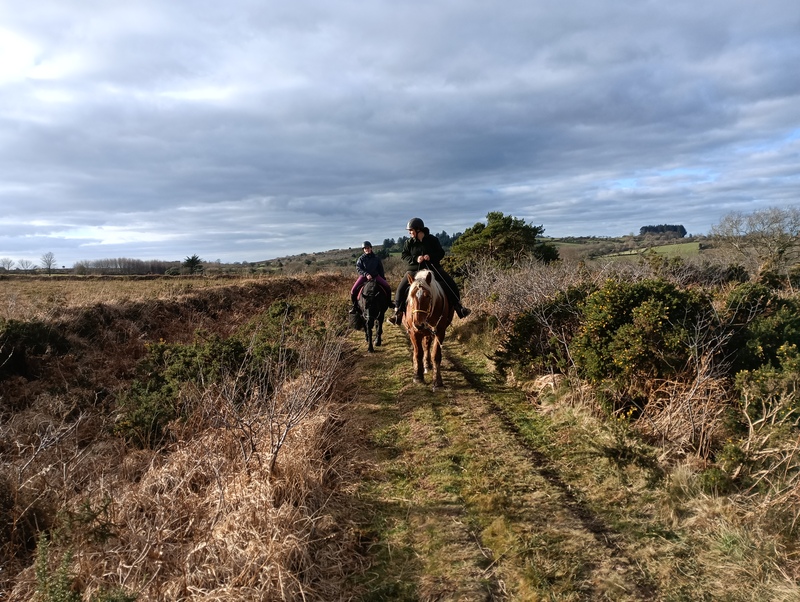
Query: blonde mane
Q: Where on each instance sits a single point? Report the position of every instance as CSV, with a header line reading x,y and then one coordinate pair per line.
x,y
420,280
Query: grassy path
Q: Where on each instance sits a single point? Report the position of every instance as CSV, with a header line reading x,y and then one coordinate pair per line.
x,y
458,504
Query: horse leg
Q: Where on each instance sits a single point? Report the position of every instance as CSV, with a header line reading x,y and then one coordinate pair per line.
x,y
428,362
379,330
419,358
437,366
370,348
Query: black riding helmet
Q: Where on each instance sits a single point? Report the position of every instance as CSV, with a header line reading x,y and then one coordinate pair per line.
x,y
366,245
415,223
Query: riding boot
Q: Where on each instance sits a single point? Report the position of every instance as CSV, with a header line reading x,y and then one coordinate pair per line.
x,y
462,312
397,317
355,309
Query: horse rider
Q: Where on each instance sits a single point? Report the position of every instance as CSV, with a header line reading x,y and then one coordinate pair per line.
x,y
369,267
423,250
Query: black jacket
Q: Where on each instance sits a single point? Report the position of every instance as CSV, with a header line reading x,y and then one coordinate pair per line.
x,y
429,245
371,264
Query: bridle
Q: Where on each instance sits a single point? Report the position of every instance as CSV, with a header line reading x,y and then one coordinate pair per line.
x,y
424,325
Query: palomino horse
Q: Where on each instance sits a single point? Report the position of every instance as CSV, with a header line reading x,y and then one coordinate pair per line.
x,y
427,316
373,303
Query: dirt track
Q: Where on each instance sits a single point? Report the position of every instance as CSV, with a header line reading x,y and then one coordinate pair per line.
x,y
463,508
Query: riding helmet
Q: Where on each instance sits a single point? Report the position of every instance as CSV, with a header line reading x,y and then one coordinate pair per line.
x,y
366,244
415,223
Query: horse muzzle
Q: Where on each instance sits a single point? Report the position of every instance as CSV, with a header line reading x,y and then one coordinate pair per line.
x,y
423,326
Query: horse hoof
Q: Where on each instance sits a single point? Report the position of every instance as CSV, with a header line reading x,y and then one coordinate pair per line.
x,y
377,343
419,379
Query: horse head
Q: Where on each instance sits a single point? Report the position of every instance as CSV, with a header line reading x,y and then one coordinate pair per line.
x,y
425,301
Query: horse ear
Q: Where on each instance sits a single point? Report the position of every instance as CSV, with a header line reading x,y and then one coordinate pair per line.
x,y
428,277
410,278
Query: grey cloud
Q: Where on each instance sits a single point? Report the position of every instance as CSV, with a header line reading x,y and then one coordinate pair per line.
x,y
270,128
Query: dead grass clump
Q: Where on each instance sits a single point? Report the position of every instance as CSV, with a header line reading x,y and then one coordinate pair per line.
x,y
686,416
504,294
128,518
221,514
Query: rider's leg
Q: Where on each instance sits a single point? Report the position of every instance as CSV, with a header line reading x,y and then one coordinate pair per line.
x,y
451,289
354,294
400,296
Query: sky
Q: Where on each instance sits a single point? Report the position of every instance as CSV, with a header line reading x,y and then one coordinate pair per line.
x,y
248,130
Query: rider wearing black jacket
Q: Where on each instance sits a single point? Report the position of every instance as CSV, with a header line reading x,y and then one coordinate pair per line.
x,y
369,267
423,250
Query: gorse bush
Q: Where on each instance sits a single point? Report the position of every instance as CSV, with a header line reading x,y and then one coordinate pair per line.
x,y
18,340
540,337
153,400
54,586
636,330
762,322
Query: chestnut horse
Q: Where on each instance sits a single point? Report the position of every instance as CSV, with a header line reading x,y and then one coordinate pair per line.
x,y
428,314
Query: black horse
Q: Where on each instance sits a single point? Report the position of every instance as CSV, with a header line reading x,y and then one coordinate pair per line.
x,y
373,303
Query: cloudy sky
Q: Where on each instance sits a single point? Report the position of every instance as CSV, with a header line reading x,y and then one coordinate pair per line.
x,y
252,129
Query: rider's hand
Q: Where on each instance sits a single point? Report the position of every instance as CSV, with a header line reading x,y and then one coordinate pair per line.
x,y
369,276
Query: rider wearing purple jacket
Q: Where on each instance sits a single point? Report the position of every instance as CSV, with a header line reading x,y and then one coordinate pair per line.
x,y
369,267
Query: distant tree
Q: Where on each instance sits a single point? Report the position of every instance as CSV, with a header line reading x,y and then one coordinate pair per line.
x,y
193,264
676,230
6,263
504,239
388,243
769,237
48,261
26,265
446,239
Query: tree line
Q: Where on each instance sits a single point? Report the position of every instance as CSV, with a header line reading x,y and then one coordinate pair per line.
x,y
678,230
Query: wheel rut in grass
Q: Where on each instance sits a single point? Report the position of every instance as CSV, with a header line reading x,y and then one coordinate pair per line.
x,y
459,506
603,534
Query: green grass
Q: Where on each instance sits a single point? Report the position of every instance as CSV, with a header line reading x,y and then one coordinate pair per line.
x,y
686,249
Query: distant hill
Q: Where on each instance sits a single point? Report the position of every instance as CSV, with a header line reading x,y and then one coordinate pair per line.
x,y
574,247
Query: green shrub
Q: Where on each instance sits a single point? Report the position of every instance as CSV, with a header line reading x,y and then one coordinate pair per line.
x,y
19,340
113,595
539,337
713,274
53,586
637,330
715,481
762,323
773,390
152,401
772,280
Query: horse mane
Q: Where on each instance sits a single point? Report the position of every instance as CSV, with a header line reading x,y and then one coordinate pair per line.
x,y
421,280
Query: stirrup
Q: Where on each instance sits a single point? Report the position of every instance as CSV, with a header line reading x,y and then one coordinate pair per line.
x,y
462,312
396,318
